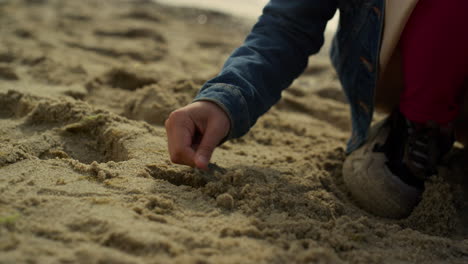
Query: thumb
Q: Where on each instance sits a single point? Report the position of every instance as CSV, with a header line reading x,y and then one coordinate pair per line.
x,y
210,140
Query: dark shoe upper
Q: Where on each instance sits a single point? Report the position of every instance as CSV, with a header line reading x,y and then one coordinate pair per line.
x,y
414,150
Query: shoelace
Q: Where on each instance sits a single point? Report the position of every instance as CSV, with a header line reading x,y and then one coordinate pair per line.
x,y
418,148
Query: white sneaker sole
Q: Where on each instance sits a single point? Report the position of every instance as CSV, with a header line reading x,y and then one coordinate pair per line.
x,y
374,187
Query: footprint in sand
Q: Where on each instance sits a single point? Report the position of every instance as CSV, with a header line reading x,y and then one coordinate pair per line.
x,y
57,129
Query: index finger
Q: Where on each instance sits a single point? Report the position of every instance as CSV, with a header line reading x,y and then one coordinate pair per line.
x,y
180,132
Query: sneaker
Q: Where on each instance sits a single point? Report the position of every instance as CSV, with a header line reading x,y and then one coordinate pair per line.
x,y
386,175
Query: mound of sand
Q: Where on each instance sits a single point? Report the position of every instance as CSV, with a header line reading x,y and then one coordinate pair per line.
x,y
85,87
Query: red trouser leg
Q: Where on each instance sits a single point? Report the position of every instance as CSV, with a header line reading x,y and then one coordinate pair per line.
x,y
434,46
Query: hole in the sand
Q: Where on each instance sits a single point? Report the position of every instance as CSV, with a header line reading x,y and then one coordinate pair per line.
x,y
7,57
127,80
132,34
133,244
13,105
24,33
82,148
178,178
8,73
5,110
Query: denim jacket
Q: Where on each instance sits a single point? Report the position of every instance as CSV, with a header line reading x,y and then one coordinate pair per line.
x,y
277,50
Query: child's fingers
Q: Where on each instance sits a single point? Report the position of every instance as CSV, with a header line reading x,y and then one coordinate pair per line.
x,y
184,142
210,140
180,130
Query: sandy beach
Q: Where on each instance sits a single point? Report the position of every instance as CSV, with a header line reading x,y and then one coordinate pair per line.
x,y
85,177
249,9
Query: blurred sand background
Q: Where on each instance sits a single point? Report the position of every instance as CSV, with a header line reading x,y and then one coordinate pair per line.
x,y
85,87
249,10
242,8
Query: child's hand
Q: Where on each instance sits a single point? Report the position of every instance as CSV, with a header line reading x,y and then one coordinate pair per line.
x,y
194,131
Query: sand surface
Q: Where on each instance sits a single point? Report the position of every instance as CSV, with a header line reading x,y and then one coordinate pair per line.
x,y
242,8
85,87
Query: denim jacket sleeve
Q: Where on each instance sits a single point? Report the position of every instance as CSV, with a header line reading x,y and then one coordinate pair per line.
x,y
273,55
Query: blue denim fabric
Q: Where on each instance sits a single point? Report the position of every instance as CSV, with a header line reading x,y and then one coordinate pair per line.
x,y
277,50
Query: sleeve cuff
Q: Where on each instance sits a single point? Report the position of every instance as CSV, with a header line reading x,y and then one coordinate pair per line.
x,y
231,100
